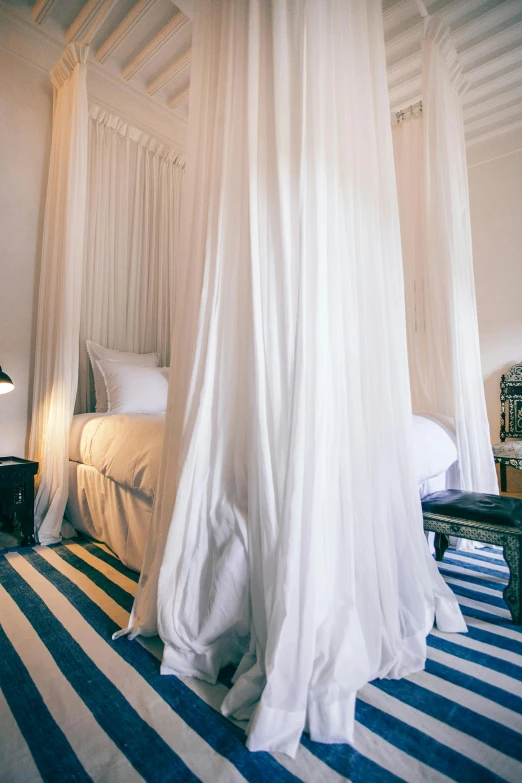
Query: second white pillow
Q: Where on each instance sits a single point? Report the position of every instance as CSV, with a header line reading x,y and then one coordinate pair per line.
x,y
98,353
134,389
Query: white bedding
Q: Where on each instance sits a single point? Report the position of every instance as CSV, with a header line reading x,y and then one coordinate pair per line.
x,y
126,448
114,468
123,447
435,451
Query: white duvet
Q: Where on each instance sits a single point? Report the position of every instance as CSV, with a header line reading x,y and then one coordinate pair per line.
x,y
126,448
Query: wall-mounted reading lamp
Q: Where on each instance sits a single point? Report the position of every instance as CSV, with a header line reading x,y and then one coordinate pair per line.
x,y
6,384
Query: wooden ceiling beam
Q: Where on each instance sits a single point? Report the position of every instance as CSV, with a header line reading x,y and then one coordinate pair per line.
x,y
512,113
125,28
179,98
166,33
41,9
88,21
396,9
454,10
492,44
405,94
490,69
404,69
170,72
492,87
481,25
413,33
483,135
505,100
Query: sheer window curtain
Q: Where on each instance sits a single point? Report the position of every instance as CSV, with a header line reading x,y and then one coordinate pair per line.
x,y
280,555
131,243
56,356
443,337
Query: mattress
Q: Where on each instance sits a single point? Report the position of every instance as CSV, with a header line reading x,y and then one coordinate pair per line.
x,y
126,447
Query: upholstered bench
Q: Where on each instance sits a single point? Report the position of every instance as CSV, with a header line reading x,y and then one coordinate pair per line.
x,y
491,519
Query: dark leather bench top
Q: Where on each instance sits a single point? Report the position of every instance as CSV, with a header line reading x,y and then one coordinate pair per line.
x,y
475,506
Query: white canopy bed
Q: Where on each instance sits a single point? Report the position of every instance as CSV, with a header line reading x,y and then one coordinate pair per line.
x,y
286,532
281,556
114,463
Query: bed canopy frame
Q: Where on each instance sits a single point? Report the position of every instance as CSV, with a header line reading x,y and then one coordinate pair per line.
x,y
267,526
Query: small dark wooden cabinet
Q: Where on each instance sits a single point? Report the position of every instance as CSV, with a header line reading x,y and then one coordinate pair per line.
x,y
17,495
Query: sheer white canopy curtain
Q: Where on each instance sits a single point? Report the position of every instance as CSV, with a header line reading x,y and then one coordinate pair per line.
x,y
131,242
58,320
295,547
443,337
110,248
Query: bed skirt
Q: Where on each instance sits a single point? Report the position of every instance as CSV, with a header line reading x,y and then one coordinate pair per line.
x,y
108,512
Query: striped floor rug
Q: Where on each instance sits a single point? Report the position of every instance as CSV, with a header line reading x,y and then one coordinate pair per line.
x,y
76,706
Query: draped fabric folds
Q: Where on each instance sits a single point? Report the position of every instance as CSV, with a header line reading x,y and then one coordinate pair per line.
x,y
131,243
109,251
295,548
443,337
56,355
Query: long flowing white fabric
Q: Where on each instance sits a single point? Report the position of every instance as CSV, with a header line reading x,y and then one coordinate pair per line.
x,y
131,243
408,147
56,356
443,337
296,546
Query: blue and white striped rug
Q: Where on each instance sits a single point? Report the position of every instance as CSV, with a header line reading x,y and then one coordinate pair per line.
x,y
76,706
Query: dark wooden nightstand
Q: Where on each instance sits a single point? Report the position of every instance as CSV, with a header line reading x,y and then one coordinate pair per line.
x,y
17,494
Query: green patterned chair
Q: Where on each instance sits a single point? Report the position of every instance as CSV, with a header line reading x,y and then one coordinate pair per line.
x,y
509,450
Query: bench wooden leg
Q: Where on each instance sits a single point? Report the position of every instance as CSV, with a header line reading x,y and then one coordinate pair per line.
x,y
441,544
503,477
513,592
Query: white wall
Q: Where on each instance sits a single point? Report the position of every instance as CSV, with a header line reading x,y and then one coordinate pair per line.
x,y
495,185
25,121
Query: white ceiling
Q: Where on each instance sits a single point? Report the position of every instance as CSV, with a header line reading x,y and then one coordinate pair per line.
x,y
146,44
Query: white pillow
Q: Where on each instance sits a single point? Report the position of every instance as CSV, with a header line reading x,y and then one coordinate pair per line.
x,y
132,388
434,446
98,353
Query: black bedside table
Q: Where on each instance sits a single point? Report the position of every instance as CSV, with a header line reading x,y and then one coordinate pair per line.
x,y
17,494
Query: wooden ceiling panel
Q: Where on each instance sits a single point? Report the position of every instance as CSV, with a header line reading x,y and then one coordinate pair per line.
x,y
112,22
64,12
155,45
40,10
88,21
491,22
139,24
161,57
146,43
488,37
